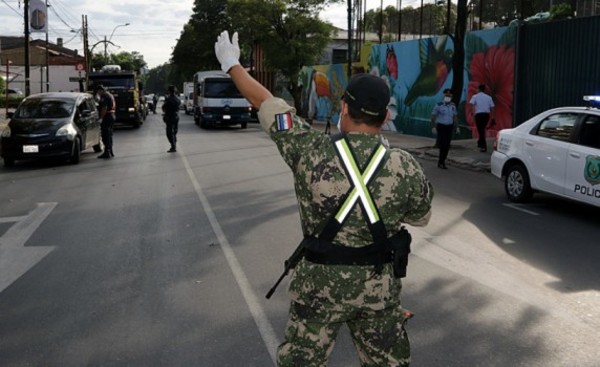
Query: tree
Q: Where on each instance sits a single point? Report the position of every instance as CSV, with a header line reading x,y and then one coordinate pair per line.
x,y
458,57
126,60
194,50
561,11
290,33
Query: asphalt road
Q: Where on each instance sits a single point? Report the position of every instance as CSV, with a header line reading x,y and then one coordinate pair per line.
x,y
158,259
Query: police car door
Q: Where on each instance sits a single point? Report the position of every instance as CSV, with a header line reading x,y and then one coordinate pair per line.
x,y
583,163
547,152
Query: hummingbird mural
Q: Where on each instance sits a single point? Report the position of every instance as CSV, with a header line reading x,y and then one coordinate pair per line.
x,y
391,62
435,67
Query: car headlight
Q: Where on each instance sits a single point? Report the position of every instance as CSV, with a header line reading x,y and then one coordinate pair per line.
x,y
6,132
68,131
131,109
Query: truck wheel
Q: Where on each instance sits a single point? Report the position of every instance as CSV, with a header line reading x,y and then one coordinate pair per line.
x,y
203,124
97,147
9,162
244,125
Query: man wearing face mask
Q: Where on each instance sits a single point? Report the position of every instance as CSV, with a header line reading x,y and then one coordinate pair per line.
x,y
354,195
444,120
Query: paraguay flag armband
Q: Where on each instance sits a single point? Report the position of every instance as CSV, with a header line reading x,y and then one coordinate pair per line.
x,y
284,121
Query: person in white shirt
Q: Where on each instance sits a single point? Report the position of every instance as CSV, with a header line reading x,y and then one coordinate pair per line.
x,y
483,108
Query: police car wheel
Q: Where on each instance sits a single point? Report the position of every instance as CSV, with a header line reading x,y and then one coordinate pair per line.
x,y
517,184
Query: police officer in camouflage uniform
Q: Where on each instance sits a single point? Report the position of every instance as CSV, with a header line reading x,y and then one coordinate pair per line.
x,y
351,189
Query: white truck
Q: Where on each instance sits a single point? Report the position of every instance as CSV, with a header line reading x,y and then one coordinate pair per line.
x,y
217,101
188,97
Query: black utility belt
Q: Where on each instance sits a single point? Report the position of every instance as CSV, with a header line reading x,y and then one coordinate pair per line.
x,y
321,252
346,259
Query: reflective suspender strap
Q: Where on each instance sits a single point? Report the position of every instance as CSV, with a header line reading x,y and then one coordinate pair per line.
x,y
322,249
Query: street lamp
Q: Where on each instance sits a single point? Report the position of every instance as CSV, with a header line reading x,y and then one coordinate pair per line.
x,y
110,38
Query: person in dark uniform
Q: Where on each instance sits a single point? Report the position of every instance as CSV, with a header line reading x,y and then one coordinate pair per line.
x,y
444,120
170,109
106,108
354,194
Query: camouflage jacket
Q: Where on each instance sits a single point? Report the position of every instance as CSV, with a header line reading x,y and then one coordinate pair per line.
x,y
401,191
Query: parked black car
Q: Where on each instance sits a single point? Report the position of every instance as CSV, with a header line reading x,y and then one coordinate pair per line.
x,y
54,124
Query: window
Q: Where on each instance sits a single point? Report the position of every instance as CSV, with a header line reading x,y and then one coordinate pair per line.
x,y
558,126
589,134
339,56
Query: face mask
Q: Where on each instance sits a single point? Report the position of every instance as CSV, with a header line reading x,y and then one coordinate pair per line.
x,y
447,99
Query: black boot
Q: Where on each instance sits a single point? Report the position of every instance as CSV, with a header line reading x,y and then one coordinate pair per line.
x,y
105,155
172,150
111,153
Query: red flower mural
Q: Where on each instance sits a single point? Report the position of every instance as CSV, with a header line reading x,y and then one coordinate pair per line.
x,y
496,69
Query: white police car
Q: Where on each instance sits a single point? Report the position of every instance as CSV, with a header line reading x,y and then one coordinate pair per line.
x,y
557,152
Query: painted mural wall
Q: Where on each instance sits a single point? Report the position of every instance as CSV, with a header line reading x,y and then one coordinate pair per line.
x,y
417,72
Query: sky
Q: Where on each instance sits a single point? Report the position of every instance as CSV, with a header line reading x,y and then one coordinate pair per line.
x,y
154,25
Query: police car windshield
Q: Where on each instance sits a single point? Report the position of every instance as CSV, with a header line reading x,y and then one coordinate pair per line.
x,y
221,89
39,108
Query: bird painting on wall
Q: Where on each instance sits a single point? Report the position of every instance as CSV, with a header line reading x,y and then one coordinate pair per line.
x,y
435,67
391,62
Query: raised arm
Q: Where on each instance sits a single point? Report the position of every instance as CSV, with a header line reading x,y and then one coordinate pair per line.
x,y
228,54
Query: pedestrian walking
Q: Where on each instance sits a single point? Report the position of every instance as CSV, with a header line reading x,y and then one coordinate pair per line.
x,y
170,110
354,195
482,107
106,108
444,120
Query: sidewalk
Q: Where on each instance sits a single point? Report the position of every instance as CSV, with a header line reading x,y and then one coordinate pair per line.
x,y
463,153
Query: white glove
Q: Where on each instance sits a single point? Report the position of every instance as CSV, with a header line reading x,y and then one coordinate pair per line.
x,y
227,52
457,130
434,131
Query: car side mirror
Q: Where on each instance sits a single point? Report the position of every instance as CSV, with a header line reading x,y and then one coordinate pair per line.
x,y
86,113
10,114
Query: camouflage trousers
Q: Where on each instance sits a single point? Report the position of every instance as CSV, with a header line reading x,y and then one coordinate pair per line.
x,y
379,335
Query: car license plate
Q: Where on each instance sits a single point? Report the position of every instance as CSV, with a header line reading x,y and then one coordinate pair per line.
x,y
226,117
30,149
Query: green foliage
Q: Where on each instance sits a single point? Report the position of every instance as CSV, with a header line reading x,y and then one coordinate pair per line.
x,y
194,50
132,61
289,31
561,11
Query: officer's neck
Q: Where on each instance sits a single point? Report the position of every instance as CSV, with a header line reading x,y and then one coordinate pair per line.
x,y
351,126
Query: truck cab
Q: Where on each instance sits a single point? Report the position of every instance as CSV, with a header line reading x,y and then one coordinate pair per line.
x,y
218,102
125,88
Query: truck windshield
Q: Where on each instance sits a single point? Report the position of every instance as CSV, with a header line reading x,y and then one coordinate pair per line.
x,y
112,83
221,89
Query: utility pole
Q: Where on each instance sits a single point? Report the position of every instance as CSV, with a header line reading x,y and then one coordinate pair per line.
x,y
349,72
26,14
400,20
86,51
47,66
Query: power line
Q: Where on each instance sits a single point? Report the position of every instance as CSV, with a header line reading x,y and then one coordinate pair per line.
x,y
13,9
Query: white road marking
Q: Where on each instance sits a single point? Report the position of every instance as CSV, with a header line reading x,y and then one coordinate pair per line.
x,y
516,207
11,219
15,258
258,314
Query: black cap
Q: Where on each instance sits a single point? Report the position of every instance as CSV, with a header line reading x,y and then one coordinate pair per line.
x,y
98,87
368,94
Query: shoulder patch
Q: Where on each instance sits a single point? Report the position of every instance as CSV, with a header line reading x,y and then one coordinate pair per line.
x,y
284,121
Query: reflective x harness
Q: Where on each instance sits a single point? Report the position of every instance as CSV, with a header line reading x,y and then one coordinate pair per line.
x,y
321,249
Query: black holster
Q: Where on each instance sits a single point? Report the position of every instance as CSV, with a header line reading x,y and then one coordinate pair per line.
x,y
400,244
